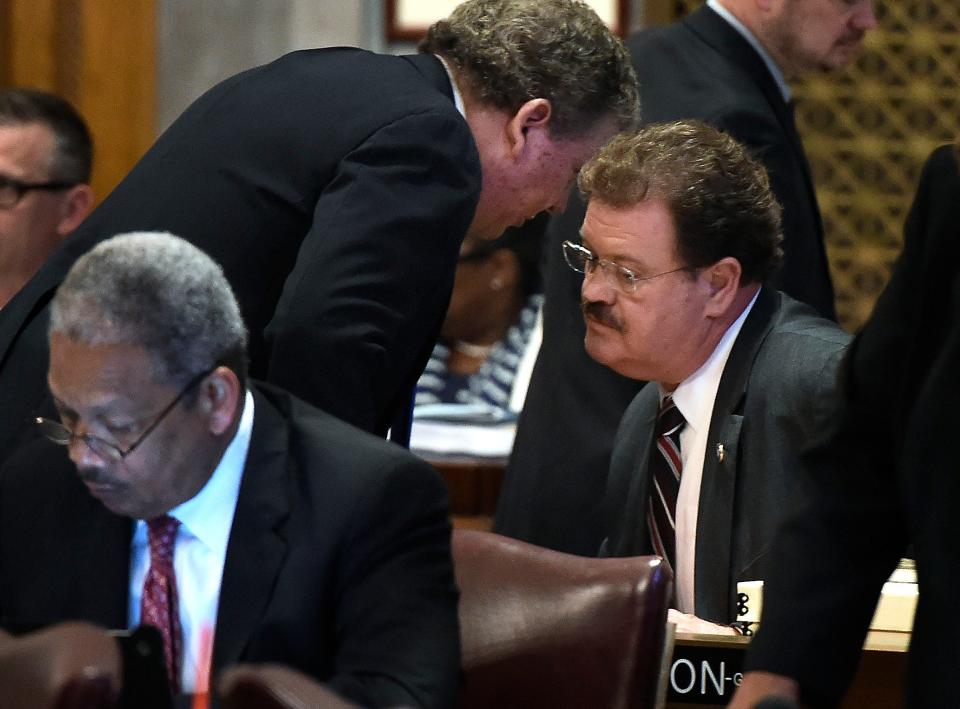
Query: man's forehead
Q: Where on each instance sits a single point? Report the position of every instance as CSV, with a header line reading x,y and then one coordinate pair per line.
x,y
25,146
98,375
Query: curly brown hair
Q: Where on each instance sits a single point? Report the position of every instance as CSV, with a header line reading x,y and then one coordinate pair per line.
x,y
719,197
511,51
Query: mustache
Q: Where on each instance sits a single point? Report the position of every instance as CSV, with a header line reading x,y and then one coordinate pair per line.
x,y
92,475
601,313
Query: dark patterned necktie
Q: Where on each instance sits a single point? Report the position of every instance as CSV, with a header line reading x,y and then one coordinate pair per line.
x,y
665,468
158,606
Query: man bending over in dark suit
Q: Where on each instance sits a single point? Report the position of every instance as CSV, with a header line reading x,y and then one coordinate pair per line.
x,y
727,64
204,502
681,232
335,186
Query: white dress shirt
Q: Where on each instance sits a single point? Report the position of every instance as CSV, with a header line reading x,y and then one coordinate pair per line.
x,y
457,96
199,554
694,397
775,70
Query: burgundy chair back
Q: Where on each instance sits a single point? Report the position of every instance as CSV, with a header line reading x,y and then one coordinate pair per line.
x,y
544,629
65,666
274,687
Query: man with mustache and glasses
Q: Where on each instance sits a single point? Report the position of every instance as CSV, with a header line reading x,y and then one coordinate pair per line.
x,y
681,234
728,64
215,508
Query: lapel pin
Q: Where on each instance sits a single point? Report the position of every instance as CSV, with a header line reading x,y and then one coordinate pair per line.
x,y
721,454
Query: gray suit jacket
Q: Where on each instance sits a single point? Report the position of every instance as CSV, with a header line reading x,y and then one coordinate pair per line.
x,y
776,389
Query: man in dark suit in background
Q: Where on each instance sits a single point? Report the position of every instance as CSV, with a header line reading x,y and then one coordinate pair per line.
x,y
726,64
686,232
201,502
335,187
884,476
46,156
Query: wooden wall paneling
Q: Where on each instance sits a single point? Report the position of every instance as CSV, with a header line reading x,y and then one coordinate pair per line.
x,y
4,43
117,76
101,56
32,43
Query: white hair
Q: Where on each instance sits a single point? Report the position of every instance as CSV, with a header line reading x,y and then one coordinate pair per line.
x,y
156,291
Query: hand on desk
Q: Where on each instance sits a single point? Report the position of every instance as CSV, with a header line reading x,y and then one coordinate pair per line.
x,y
687,623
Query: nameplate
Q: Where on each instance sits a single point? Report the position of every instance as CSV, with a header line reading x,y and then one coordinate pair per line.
x,y
705,670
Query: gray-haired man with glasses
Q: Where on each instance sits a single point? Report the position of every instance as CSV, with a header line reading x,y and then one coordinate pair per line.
x,y
243,523
680,234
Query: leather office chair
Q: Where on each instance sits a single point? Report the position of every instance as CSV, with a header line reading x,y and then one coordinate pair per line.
x,y
65,666
544,629
274,687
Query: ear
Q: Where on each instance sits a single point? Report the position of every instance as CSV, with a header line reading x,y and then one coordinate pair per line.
x,y
76,206
722,281
532,119
220,399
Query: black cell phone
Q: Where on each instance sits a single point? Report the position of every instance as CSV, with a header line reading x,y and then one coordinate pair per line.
x,y
145,684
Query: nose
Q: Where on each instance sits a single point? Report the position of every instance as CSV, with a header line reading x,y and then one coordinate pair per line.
x,y
82,455
864,17
597,287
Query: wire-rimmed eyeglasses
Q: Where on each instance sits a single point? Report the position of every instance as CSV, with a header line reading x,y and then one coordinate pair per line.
x,y
13,190
583,260
61,435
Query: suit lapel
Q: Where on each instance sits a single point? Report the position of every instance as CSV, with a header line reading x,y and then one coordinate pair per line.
x,y
726,41
257,545
635,521
713,575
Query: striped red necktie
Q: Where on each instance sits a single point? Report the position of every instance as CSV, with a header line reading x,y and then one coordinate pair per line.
x,y
158,606
665,468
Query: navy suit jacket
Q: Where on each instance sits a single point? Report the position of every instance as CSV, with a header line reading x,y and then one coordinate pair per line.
x,y
338,562
334,187
699,68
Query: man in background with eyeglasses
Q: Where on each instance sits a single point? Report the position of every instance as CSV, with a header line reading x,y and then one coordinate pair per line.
x,y
45,161
681,233
216,508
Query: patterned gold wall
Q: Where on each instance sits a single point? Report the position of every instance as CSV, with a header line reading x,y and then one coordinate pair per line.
x,y
867,131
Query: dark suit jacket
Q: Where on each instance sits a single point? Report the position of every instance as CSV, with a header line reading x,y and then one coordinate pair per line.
x,y
697,68
334,186
884,476
775,388
338,562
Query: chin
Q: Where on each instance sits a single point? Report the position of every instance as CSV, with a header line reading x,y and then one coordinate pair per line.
x,y
597,351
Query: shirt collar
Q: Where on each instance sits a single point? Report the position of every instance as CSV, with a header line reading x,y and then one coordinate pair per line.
x,y
208,515
775,70
457,96
694,396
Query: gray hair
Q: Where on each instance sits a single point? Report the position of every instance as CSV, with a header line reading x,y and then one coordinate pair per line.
x,y
156,291
512,51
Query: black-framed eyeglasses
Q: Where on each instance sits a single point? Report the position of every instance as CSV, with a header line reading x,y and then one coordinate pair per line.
x,y
583,260
61,435
13,190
